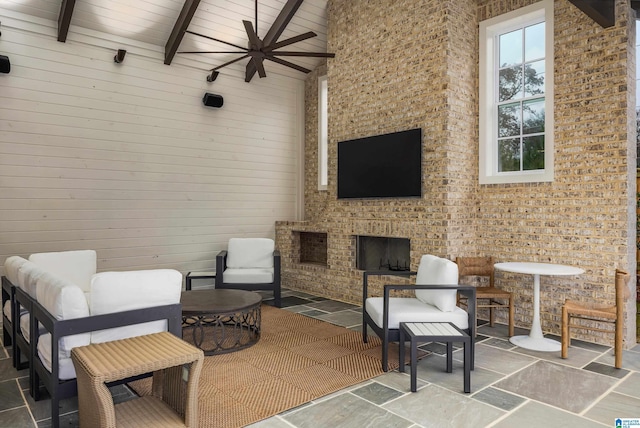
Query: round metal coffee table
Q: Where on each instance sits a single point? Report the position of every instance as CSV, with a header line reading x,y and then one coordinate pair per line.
x,y
221,321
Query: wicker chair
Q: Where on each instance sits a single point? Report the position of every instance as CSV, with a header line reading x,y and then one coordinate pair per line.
x,y
486,296
600,313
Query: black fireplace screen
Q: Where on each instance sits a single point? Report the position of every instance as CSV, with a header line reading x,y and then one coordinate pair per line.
x,y
382,253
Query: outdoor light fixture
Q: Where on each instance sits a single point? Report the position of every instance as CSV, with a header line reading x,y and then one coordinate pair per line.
x,y
213,76
5,65
119,56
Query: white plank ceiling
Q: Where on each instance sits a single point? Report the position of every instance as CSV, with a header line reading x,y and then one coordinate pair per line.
x,y
151,22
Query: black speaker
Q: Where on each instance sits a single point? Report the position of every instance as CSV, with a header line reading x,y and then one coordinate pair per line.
x,y
212,100
5,65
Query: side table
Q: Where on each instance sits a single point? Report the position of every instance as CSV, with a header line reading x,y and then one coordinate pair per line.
x,y
171,404
435,332
197,275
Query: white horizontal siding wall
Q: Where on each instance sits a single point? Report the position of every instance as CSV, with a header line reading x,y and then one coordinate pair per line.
x,y
126,160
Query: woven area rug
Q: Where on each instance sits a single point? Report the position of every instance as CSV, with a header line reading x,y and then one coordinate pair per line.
x,y
296,360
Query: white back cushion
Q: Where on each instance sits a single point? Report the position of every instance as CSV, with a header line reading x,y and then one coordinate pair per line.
x,y
75,266
11,266
437,271
63,300
250,253
124,291
28,276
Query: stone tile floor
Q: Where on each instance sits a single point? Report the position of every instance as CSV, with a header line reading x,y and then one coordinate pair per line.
x,y
510,387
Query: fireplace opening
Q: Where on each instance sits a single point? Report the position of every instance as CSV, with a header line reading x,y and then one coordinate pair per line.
x,y
313,248
383,253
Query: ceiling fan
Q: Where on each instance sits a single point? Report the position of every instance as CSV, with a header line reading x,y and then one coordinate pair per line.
x,y
266,48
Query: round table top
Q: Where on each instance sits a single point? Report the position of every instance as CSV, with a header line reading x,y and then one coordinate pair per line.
x,y
538,268
199,302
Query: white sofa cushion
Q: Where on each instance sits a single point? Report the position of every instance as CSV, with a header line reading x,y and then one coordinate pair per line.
x,y
124,291
6,310
75,266
11,266
28,276
250,253
403,309
248,276
63,300
437,271
66,370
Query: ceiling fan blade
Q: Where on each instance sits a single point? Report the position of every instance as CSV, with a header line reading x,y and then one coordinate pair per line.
x,y
287,63
254,40
216,40
260,67
230,62
211,52
282,20
309,54
291,40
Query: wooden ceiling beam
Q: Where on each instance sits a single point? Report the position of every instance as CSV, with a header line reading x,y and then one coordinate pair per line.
x,y
181,25
64,19
601,11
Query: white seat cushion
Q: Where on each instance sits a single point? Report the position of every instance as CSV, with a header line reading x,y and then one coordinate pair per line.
x,y
437,271
248,276
75,266
403,309
125,291
6,310
250,253
25,323
65,364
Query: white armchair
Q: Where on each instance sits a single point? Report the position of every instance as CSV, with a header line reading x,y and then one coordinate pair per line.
x,y
435,298
249,264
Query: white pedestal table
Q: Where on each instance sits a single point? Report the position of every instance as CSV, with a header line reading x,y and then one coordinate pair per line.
x,y
535,340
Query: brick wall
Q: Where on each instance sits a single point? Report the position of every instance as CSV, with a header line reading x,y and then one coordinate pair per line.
x,y
414,63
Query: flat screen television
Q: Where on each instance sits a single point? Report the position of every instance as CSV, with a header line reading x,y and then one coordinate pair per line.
x,y
382,166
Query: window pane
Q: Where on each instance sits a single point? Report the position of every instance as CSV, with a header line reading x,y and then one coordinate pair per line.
x,y
533,153
534,78
510,48
534,42
509,155
509,120
533,116
510,83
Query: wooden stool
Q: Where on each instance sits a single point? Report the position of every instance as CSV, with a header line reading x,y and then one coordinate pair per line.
x,y
171,404
435,332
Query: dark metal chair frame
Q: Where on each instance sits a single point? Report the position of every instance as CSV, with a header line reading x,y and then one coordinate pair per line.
x,y
221,265
393,335
8,325
60,389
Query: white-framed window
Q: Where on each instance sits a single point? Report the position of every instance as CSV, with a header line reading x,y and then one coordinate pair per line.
x,y
323,146
516,96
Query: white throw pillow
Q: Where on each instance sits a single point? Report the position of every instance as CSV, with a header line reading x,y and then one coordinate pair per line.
x,y
437,271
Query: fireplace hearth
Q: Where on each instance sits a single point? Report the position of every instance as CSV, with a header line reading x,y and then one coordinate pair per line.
x,y
383,253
